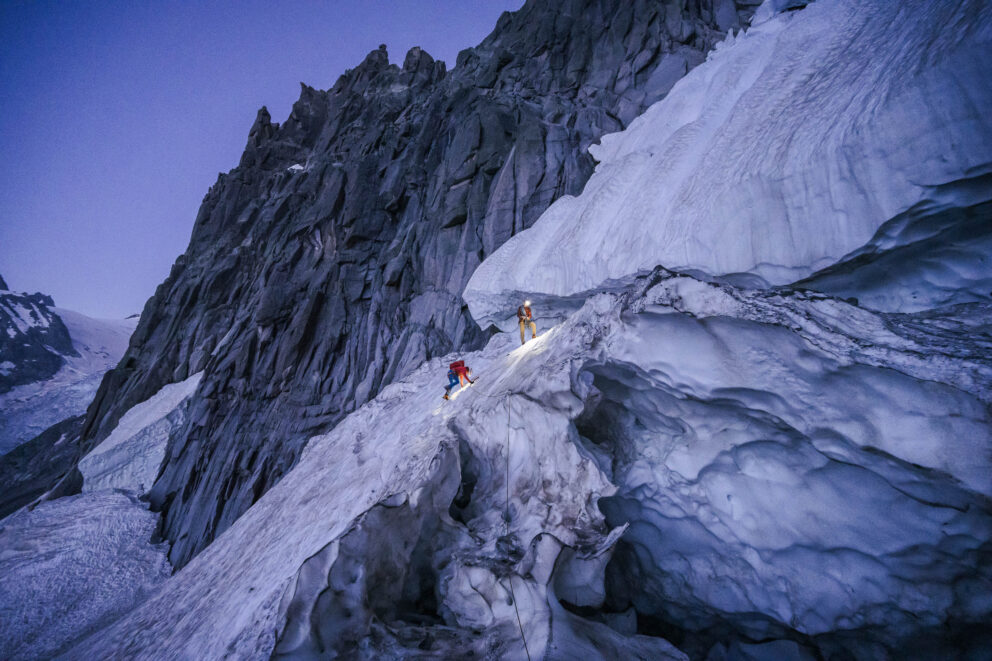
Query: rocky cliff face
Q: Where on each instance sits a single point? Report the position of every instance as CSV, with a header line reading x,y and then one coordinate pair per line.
x,y
33,339
331,261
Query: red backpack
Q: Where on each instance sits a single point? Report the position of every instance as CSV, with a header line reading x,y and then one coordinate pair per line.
x,y
456,365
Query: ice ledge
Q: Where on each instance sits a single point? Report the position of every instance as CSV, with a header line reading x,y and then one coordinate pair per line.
x,y
131,456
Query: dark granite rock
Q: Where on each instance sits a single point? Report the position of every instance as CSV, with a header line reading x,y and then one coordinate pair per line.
x,y
332,260
33,468
33,339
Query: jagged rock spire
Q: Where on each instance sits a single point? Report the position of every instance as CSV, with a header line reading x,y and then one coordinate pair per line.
x,y
263,128
261,131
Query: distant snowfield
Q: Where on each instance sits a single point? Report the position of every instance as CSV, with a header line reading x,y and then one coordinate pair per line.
x,y
785,151
30,409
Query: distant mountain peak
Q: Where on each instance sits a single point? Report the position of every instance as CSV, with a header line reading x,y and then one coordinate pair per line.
x,y
33,339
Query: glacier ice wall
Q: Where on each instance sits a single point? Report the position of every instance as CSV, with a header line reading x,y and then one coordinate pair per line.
x,y
934,255
786,150
682,460
794,474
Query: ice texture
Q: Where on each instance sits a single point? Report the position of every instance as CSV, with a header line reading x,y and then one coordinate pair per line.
x,y
785,151
131,456
71,566
934,255
774,466
27,410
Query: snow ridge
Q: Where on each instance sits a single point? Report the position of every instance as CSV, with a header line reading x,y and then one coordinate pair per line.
x,y
131,456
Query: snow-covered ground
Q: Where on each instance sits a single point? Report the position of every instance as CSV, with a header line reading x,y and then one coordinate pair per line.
x,y
765,463
825,122
71,566
398,462
30,409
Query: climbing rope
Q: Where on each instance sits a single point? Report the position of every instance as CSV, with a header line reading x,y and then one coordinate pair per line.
x,y
506,509
506,526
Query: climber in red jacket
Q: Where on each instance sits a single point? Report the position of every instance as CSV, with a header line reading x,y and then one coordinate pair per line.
x,y
462,370
458,373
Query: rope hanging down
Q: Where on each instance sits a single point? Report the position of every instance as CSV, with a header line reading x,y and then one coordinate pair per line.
x,y
506,525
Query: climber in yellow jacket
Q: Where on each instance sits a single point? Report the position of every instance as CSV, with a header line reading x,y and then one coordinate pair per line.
x,y
525,319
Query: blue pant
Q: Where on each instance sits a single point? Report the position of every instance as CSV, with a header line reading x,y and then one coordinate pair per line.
x,y
452,382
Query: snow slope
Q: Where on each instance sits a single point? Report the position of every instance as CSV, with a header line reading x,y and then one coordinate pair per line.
x,y
70,567
130,457
30,409
777,466
397,461
782,153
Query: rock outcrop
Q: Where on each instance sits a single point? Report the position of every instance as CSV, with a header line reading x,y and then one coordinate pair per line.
x,y
330,262
33,339
32,468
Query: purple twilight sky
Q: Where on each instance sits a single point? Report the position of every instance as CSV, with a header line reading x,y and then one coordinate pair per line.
x,y
117,117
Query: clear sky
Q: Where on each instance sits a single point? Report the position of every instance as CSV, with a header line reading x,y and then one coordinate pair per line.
x,y
115,118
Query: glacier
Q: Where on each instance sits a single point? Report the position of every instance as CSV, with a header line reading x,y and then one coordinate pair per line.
x,y
72,566
826,122
746,464
31,408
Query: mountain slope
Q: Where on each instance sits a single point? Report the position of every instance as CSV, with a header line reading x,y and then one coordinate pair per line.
x,y
331,261
681,465
94,347
40,422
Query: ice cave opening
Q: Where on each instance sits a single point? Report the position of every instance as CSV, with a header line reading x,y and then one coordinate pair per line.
x,y
673,574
